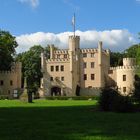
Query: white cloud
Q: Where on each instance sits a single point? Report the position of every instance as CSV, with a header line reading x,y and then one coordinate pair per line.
x,y
115,40
32,3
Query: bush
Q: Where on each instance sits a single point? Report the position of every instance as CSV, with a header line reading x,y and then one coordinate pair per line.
x,y
111,100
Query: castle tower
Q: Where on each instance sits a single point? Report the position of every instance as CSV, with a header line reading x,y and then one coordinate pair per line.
x,y
51,51
19,73
101,74
125,76
74,53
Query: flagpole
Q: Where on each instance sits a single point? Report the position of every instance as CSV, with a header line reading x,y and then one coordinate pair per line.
x,y
74,25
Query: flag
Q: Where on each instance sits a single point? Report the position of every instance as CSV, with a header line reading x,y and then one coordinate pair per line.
x,y
73,20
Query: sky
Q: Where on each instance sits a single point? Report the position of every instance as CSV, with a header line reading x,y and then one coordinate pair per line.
x,y
34,22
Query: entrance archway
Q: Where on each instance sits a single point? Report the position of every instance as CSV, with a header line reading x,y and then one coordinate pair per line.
x,y
55,91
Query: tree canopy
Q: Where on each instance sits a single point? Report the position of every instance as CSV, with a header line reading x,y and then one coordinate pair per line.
x,y
7,49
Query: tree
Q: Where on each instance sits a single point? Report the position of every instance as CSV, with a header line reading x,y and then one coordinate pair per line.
x,y
116,59
7,49
31,67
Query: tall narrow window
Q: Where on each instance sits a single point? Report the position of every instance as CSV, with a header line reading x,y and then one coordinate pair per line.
x,y
1,82
124,89
57,68
85,76
92,76
11,82
62,68
84,54
8,92
51,78
92,64
65,55
84,65
62,78
124,77
52,68
92,55
58,55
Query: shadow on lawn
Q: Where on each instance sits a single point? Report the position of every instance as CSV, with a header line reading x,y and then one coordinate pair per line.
x,y
67,123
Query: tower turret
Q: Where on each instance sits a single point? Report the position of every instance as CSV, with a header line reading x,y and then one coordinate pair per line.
x,y
101,73
51,51
74,53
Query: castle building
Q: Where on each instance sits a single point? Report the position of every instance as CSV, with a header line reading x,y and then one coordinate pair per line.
x,y
10,81
75,71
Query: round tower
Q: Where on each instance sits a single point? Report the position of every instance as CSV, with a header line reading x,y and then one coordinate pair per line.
x,y
74,54
51,51
74,43
129,61
125,76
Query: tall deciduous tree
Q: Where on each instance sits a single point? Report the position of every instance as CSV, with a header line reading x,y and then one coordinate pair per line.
x,y
7,49
31,68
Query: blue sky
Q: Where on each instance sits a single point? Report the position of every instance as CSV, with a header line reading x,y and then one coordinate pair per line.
x,y
22,17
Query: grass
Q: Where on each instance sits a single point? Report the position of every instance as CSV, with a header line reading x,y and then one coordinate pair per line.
x,y
64,120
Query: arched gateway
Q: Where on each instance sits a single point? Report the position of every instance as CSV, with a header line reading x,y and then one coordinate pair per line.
x,y
55,91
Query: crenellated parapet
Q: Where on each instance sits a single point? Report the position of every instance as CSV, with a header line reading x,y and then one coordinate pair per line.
x,y
124,67
15,67
74,37
129,61
61,52
89,50
58,60
7,72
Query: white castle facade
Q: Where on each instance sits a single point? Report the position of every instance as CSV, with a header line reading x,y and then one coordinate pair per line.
x,y
84,72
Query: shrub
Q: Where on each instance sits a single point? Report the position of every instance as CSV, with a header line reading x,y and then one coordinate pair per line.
x,y
111,100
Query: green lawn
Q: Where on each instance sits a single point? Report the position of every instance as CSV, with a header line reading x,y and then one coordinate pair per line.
x,y
65,120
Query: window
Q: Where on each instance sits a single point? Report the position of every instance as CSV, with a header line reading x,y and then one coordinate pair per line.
x,y
11,82
124,89
92,54
124,77
84,65
92,64
8,92
62,68
85,76
62,78
52,68
110,71
57,68
1,82
92,76
57,78
65,55
51,78
58,55
84,54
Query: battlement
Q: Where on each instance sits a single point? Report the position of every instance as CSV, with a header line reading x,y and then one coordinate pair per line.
x,y
14,67
129,61
88,50
58,60
124,67
132,59
61,52
7,72
74,37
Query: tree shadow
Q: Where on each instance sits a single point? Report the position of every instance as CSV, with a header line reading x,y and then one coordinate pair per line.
x,y
67,123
